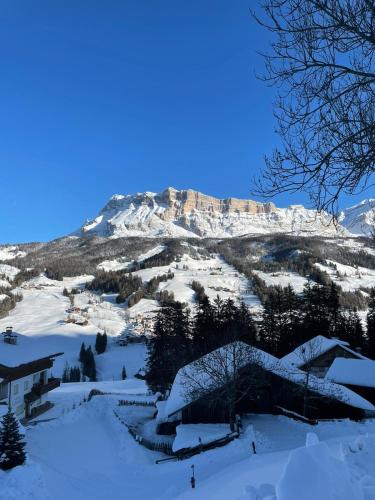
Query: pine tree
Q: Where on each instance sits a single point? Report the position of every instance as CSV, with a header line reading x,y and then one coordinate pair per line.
x,y
318,307
333,306
89,365
12,446
101,343
272,321
66,374
203,328
123,373
82,352
246,329
370,337
98,343
169,349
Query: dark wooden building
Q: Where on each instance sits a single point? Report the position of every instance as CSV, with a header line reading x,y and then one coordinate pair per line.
x,y
272,387
318,354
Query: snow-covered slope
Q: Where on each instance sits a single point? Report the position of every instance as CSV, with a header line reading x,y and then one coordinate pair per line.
x,y
360,219
189,213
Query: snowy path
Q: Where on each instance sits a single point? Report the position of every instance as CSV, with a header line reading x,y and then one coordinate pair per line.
x,y
78,461
88,455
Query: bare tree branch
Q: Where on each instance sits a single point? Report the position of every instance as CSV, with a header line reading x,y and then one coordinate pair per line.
x,y
322,61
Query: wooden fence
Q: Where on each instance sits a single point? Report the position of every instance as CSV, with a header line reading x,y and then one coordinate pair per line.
x,y
126,402
150,445
166,448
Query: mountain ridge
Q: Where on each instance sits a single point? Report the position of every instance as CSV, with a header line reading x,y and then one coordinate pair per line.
x,y
360,218
189,213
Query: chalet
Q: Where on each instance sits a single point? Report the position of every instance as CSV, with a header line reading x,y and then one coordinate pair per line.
x,y
317,355
279,388
356,374
24,387
76,319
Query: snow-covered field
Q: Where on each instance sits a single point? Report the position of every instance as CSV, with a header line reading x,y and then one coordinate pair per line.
x,y
86,453
8,271
118,264
283,279
349,278
11,252
39,319
215,275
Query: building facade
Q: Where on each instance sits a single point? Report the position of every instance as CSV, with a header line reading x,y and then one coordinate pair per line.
x,y
24,388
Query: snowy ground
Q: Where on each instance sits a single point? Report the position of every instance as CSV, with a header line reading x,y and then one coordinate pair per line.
x,y
8,271
88,454
118,264
40,320
10,252
349,278
283,279
216,276
79,450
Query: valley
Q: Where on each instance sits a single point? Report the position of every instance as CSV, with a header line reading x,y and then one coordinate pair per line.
x,y
111,278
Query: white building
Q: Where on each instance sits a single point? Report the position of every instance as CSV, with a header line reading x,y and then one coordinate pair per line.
x,y
25,387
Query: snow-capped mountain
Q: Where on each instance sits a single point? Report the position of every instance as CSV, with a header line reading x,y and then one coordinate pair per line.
x,y
360,219
188,213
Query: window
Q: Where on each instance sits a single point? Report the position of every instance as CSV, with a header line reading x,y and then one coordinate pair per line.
x,y
35,378
15,388
26,385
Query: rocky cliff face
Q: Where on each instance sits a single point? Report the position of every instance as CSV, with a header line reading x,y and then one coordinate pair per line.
x,y
185,202
190,213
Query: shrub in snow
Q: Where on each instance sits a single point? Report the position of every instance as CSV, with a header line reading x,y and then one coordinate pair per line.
x,y
12,446
312,473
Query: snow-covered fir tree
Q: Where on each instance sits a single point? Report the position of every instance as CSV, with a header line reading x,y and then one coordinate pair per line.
x,y
12,445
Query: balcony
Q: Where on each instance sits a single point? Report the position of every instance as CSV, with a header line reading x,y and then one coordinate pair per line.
x,y
39,389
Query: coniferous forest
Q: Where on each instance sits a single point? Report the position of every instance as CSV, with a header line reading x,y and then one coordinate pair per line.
x,y
287,321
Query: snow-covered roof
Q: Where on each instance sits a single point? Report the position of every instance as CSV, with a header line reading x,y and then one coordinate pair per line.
x,y
26,350
180,396
352,371
316,347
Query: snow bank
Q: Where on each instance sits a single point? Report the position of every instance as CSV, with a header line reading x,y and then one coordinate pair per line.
x,y
360,457
25,482
191,435
312,473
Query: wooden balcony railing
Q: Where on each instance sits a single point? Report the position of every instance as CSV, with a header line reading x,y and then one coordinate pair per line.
x,y
39,389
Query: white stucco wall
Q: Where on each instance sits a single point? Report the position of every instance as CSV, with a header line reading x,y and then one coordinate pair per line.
x,y
18,388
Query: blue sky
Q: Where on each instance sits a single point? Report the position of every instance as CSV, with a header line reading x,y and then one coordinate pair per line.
x,y
122,96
